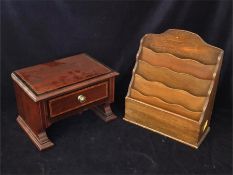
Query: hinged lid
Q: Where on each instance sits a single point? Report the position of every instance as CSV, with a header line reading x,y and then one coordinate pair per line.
x,y
46,78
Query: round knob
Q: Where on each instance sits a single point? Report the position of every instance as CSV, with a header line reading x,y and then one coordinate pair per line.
x,y
81,98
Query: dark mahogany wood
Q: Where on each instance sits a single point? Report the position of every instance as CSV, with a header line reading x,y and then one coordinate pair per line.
x,y
31,118
50,76
104,112
49,92
69,102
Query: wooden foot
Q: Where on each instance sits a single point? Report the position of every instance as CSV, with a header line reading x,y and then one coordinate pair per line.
x,y
40,140
104,112
202,138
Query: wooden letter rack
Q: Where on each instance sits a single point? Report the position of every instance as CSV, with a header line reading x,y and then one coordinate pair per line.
x,y
173,85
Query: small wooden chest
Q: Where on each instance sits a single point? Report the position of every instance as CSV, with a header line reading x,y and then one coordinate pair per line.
x,y
173,85
48,92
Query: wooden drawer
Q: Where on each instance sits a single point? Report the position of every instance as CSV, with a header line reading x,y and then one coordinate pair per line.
x,y
48,92
74,100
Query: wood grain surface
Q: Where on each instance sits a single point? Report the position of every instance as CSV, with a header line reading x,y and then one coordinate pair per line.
x,y
50,76
176,80
167,94
173,83
177,64
182,44
50,92
176,108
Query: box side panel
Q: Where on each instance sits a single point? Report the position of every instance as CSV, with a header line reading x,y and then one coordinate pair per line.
x,y
205,120
29,110
162,121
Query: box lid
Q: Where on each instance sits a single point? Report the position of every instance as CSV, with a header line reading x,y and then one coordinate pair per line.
x,y
46,78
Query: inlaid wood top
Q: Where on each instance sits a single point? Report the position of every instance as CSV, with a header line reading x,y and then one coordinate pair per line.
x,y
50,76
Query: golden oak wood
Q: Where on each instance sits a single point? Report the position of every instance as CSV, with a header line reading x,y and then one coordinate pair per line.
x,y
183,44
173,85
176,108
177,80
170,95
177,64
48,92
153,117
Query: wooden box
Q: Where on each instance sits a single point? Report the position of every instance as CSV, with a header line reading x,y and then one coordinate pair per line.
x,y
48,92
173,85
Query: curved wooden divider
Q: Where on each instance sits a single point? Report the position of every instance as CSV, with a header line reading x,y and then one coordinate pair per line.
x,y
193,85
135,94
168,94
177,64
182,44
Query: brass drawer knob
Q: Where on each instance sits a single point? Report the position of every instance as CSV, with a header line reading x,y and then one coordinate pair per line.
x,y
81,98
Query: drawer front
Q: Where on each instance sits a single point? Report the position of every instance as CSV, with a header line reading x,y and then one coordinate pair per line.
x,y
80,98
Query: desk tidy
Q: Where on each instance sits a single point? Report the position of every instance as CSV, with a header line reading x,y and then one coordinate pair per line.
x,y
48,92
173,85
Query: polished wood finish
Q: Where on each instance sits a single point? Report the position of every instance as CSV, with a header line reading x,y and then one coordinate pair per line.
x,y
49,92
32,118
173,85
104,112
40,140
69,102
57,74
